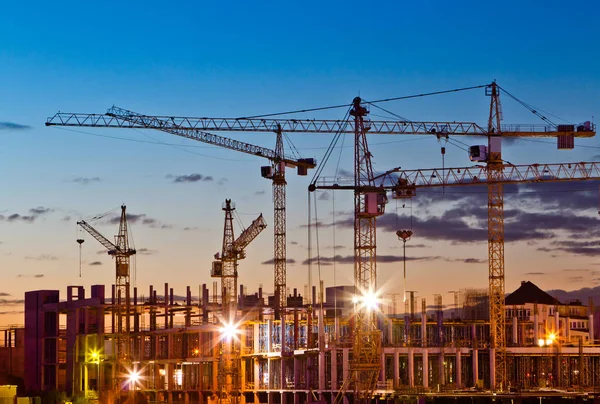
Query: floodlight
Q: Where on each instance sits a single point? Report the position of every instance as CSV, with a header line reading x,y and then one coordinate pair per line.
x,y
133,377
228,330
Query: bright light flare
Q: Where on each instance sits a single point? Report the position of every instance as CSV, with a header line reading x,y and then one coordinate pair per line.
x,y
367,300
94,355
133,377
541,342
229,331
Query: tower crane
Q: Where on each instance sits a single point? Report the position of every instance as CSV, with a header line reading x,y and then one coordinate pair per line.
x,y
122,252
369,202
122,118
225,267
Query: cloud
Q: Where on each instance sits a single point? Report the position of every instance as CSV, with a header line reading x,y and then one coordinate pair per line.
x,y
472,261
66,219
324,196
15,217
13,126
260,192
534,273
4,294
190,228
140,218
40,210
293,242
85,180
12,301
42,257
272,261
145,251
189,178
349,259
95,263
575,247
38,275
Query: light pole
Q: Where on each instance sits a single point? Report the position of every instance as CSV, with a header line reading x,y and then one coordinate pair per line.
x,y
404,235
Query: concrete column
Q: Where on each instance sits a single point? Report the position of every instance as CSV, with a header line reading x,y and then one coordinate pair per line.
x,y
423,331
411,367
321,330
269,335
396,368
458,369
493,369
591,328
475,366
536,329
282,374
390,330
567,331
556,320
442,368
256,374
283,332
215,380
243,374
256,330
425,368
515,330
270,371
322,370
382,370
333,353
169,376
345,357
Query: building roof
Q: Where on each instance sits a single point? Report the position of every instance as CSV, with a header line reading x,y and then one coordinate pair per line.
x,y
529,293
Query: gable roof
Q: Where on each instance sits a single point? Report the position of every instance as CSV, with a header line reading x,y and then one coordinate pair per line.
x,y
529,293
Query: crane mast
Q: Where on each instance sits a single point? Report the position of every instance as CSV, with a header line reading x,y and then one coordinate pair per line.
x,y
496,242
279,222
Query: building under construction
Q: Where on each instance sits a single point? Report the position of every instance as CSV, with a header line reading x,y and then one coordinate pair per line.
x,y
175,345
249,348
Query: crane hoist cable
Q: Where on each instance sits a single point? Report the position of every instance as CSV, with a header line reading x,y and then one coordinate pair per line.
x,y
329,151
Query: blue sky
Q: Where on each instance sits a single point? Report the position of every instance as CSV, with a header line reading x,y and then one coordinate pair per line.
x,y
247,58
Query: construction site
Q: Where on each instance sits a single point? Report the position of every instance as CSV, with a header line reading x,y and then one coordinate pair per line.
x,y
317,343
